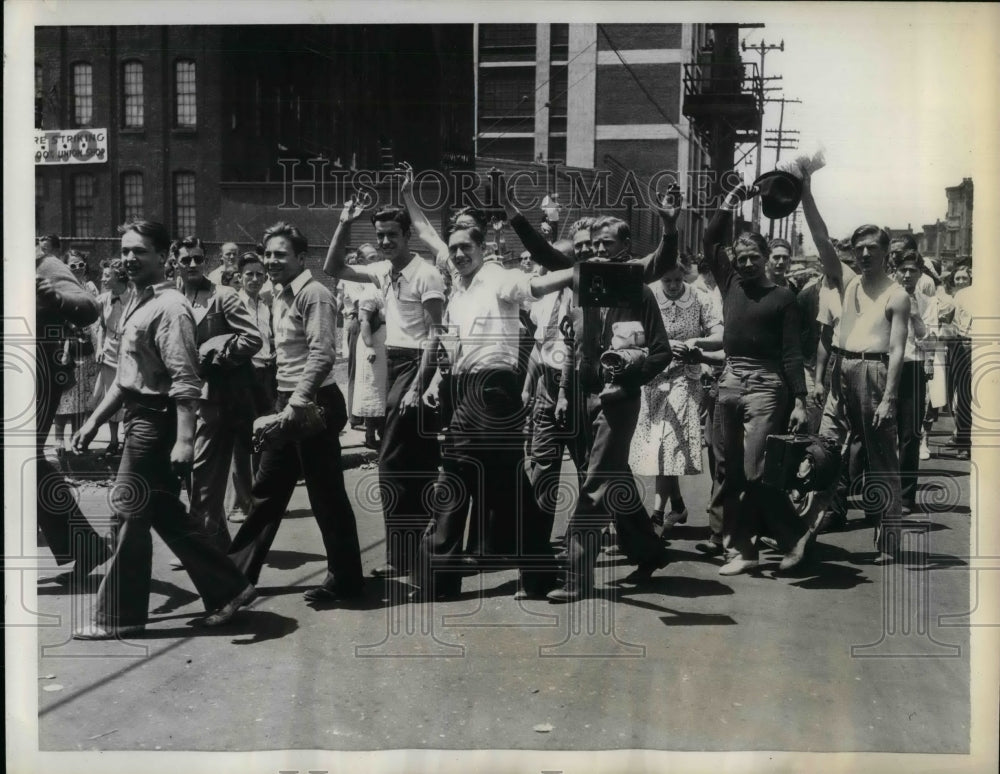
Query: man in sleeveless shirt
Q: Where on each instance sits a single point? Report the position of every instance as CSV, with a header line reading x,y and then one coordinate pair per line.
x,y
873,327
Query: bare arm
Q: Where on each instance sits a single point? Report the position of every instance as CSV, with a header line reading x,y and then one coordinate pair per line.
x,y
821,237
899,313
335,264
664,257
426,372
551,282
421,224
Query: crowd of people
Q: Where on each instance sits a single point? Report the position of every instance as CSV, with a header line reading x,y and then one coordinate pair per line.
x,y
473,379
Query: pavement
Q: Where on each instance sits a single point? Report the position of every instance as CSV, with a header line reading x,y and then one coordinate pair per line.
x,y
841,655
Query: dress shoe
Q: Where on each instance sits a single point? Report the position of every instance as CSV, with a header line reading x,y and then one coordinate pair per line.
x,y
925,452
796,555
387,571
674,518
333,594
832,523
225,613
739,565
94,631
657,518
569,593
646,568
614,550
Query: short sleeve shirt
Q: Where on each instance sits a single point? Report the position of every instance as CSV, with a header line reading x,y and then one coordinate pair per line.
x,y
406,323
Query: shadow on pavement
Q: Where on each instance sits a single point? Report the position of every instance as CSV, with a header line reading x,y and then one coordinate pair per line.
x,y
290,560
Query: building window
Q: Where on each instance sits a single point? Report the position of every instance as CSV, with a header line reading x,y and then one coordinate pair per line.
x,y
132,205
184,207
507,94
559,46
507,35
186,109
132,94
83,205
39,96
83,94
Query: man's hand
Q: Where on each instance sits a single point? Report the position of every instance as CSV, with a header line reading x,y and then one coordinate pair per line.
x,y
561,409
798,418
46,296
410,400
182,458
355,207
668,206
431,398
885,413
82,437
371,357
818,392
527,398
407,185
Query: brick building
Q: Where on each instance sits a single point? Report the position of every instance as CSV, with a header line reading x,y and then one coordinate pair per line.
x,y
199,118
606,97
950,240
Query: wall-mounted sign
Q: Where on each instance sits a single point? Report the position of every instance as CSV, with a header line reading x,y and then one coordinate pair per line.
x,y
71,146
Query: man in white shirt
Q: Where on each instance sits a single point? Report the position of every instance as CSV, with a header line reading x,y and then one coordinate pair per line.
x,y
413,294
481,456
918,360
960,361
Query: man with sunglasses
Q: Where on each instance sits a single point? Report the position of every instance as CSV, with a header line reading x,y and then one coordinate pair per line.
x,y
413,290
227,338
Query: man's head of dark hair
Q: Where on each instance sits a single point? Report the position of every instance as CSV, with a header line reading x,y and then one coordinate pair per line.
x,y
753,239
482,222
188,242
909,256
55,244
397,214
906,240
869,229
247,258
155,232
282,229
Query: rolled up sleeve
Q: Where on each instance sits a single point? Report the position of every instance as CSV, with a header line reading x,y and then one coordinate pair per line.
x,y
175,339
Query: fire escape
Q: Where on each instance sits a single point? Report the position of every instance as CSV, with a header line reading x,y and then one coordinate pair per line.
x,y
723,100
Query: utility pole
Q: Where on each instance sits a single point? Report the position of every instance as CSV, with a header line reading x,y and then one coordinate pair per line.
x,y
761,48
782,139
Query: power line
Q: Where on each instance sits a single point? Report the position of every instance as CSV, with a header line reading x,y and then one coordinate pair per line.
x,y
645,91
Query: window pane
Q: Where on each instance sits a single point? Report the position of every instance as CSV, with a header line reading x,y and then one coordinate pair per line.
x,y
187,113
184,209
83,206
132,206
133,94
83,94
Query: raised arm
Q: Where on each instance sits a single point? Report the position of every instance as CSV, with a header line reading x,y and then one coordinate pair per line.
x,y
664,257
542,253
335,264
421,224
551,282
821,237
716,237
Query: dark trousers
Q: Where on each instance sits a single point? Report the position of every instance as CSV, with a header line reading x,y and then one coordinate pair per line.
x,y
144,497
765,510
408,461
960,377
482,465
549,439
753,403
862,385
715,453
609,493
67,532
909,426
245,461
317,459
215,440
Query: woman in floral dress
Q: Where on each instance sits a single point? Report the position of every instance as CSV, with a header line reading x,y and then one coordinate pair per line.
x,y
667,439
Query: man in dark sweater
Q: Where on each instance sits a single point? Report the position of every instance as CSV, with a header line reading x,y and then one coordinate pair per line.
x,y
60,300
612,410
762,377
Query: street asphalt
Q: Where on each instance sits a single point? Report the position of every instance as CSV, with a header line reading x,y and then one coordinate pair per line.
x,y
841,655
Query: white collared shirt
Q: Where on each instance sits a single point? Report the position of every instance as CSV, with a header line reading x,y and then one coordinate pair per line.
x,y
486,314
406,324
547,312
261,314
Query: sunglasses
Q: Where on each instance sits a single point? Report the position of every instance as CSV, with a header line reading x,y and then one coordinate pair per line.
x,y
187,260
77,266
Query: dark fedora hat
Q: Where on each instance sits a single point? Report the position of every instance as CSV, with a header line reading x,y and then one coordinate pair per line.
x,y
780,193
